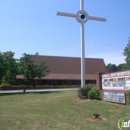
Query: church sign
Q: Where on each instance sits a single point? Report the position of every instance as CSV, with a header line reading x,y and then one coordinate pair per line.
x,y
114,97
115,81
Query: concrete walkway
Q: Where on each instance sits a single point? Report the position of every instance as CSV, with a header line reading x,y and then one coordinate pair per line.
x,y
37,90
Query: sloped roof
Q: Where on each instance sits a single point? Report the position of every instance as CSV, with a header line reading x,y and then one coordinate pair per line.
x,y
71,65
69,68
64,77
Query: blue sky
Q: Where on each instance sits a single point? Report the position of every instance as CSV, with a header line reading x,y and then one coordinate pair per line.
x,y
29,26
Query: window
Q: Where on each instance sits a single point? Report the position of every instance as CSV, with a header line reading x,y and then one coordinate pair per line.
x,y
120,79
110,79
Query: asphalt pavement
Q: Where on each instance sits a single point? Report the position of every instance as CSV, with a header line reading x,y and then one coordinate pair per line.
x,y
37,90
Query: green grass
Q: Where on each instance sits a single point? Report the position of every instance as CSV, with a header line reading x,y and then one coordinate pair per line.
x,y
57,111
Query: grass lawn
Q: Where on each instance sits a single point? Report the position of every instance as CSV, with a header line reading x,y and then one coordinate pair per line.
x,y
58,111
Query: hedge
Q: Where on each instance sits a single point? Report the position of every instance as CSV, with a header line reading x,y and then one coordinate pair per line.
x,y
9,87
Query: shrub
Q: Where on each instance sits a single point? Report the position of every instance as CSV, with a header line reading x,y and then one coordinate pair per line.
x,y
5,85
46,86
90,85
43,86
31,86
38,86
21,86
13,86
94,93
128,95
83,92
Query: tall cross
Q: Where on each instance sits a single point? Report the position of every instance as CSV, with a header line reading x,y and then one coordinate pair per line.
x,y
82,17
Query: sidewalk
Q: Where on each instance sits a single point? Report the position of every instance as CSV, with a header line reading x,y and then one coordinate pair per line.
x,y
37,90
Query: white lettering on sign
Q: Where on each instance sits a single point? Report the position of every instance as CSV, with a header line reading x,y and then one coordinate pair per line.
x,y
114,97
116,81
124,73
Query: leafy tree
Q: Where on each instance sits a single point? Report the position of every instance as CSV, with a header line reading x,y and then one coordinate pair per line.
x,y
36,53
126,53
8,67
2,67
120,67
111,67
30,70
42,69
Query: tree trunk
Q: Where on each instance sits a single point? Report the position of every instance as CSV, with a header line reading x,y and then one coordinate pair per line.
x,y
26,87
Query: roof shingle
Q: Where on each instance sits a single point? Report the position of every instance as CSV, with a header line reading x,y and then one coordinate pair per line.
x,y
67,68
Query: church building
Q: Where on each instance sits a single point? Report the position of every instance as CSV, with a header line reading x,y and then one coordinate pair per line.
x,y
67,70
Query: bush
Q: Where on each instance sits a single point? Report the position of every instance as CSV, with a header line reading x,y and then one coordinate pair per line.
x,y
5,85
21,86
38,86
128,95
46,86
83,92
94,93
90,85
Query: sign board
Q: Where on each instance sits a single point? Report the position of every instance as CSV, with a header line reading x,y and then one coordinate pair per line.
x,y
116,81
114,97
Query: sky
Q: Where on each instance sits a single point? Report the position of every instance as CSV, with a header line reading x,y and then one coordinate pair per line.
x,y
30,26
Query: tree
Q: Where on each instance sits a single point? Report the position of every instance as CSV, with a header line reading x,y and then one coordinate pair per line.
x,y
120,67
111,67
30,70
36,53
2,67
41,69
126,53
8,67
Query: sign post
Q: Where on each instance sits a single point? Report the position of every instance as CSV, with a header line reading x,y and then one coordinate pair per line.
x,y
82,17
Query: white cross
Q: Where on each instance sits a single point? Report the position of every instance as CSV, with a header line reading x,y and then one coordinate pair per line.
x,y
82,17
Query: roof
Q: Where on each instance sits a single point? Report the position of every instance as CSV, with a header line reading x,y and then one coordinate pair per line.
x,y
64,77
70,67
